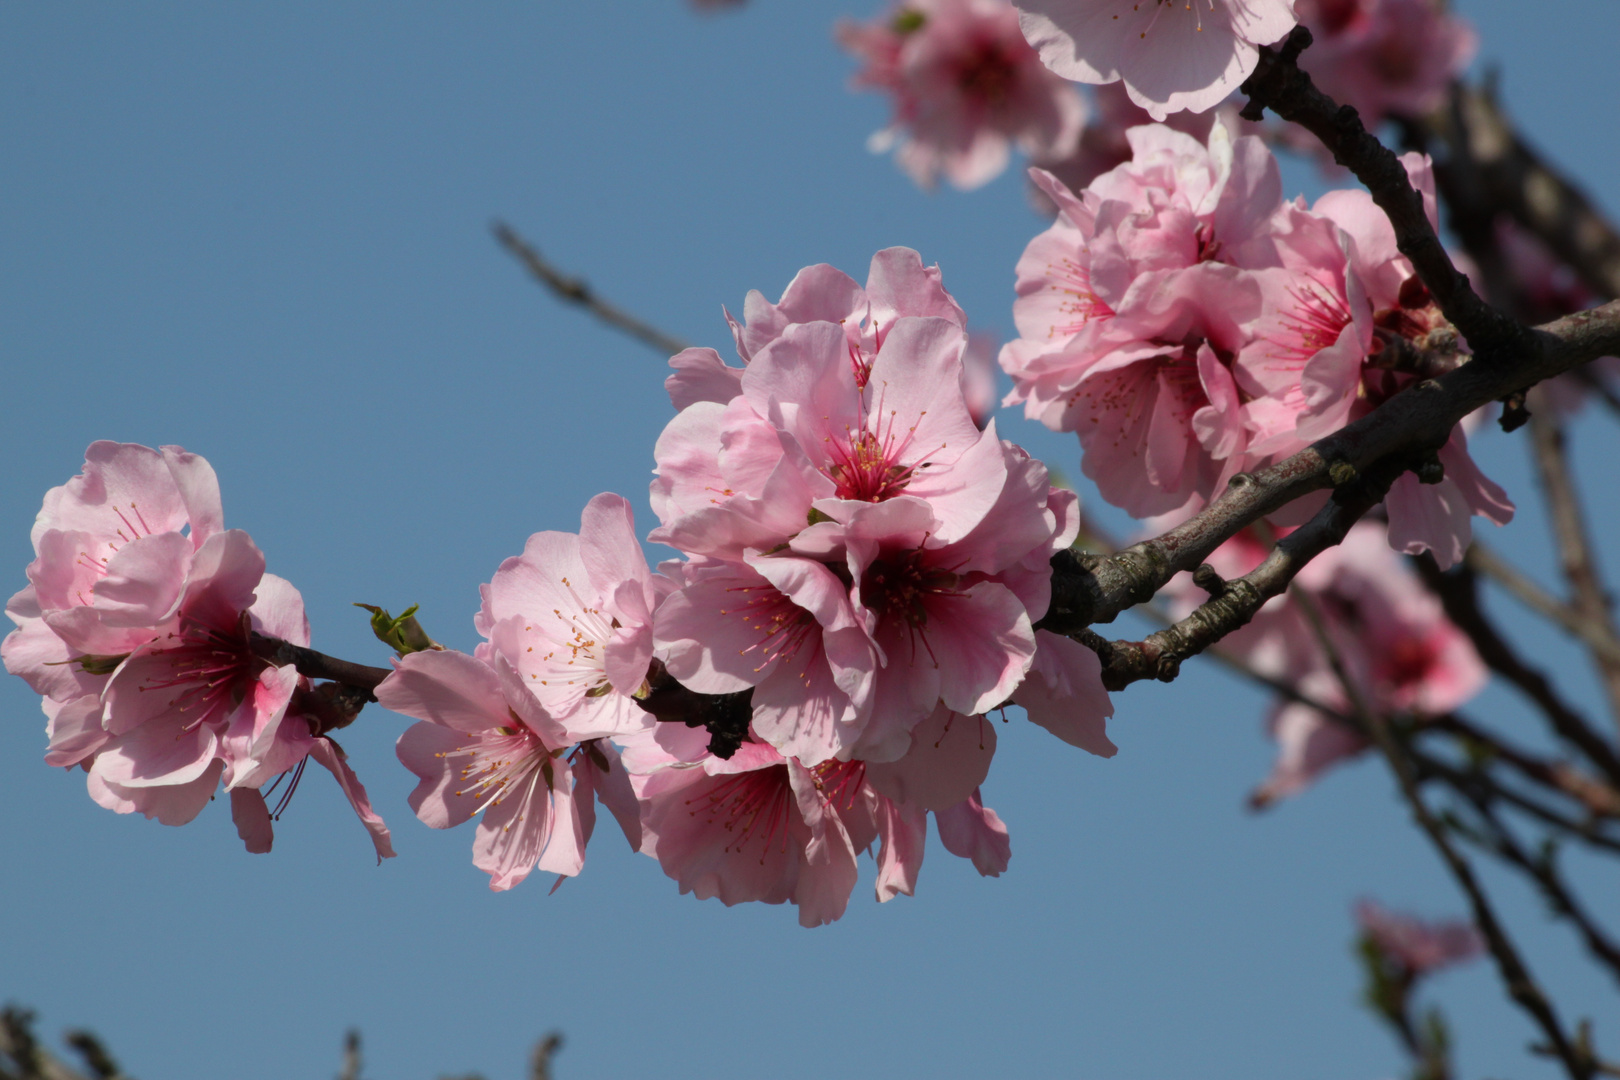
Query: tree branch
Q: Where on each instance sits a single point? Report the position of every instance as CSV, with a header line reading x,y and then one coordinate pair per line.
x,y
1587,594
1597,637
1278,83
1458,592
574,290
1487,165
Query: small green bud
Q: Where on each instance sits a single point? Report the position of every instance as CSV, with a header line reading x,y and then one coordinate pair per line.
x,y
908,21
401,633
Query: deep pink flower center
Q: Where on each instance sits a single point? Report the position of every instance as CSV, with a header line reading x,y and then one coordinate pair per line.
x,y
1073,279
1314,323
869,463
209,669
987,74
749,805
903,586
839,782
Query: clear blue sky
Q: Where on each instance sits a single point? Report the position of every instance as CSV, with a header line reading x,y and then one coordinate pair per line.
x,y
261,232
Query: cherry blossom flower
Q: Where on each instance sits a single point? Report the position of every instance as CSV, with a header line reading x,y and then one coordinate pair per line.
x,y
573,616
1414,946
137,629
487,748
1170,56
763,827
1386,57
966,88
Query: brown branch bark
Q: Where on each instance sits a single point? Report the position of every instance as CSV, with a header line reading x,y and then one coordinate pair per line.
x,y
1486,167
575,291
1278,83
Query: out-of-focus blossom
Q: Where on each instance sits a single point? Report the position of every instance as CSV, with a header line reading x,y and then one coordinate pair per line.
x,y
1385,57
1414,946
966,88
1170,56
1542,289
1390,634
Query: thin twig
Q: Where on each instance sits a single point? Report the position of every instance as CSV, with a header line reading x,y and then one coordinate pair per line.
x,y
1596,636
1521,985
1587,594
1458,592
575,291
1544,872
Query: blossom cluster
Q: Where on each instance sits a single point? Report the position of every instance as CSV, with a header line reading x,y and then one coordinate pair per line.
x,y
859,556
1189,324
137,628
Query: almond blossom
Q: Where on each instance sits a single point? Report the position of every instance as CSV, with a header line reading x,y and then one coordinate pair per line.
x,y
573,616
1414,946
966,87
1169,56
1389,634
138,629
486,747
763,827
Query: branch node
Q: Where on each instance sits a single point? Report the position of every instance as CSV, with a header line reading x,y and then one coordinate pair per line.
x,y
1206,578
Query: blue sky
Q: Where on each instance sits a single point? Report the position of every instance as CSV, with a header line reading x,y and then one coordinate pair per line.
x,y
262,232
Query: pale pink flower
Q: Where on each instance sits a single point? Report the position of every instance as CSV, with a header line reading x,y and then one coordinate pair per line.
x,y
897,284
487,748
1132,307
1385,57
809,434
1414,945
785,627
966,87
196,705
755,827
112,548
573,616
1170,56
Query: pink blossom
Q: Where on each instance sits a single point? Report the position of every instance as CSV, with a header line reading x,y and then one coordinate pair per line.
x,y
1170,57
761,827
136,627
1132,308
573,616
1422,517
487,748
755,827
1385,57
1392,636
808,433
1415,946
966,88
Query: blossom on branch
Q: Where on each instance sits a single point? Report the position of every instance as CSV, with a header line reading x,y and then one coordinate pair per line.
x,y
1171,55
859,552
966,88
1188,324
138,628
